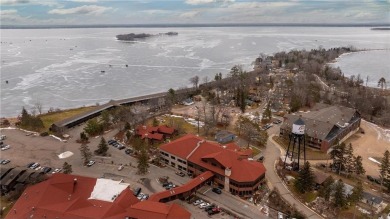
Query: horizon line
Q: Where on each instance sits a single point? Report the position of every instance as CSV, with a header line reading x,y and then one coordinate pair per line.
x,y
54,26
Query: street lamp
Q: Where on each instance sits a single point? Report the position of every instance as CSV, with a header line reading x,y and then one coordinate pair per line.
x,y
197,108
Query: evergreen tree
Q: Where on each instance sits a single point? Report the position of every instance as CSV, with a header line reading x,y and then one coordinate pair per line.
x,y
357,193
83,137
384,170
67,168
86,154
143,162
105,119
338,195
93,127
337,155
349,160
327,188
102,147
267,114
359,166
305,180
127,126
128,135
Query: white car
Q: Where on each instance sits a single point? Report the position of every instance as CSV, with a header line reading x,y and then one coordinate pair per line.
x,y
197,202
3,137
57,170
280,215
203,205
90,163
5,147
120,167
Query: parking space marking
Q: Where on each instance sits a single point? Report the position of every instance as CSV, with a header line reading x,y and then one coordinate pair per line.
x,y
206,191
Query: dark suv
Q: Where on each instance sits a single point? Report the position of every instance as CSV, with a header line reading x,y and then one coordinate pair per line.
x,y
217,190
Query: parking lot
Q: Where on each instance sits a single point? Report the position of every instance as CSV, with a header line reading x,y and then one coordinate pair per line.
x,y
26,149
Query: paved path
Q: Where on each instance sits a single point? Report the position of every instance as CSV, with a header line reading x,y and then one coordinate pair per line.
x,y
272,154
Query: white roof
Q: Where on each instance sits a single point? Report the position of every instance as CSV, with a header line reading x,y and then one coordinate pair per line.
x,y
107,189
66,154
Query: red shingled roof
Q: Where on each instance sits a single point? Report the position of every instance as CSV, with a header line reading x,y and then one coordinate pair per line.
x,y
181,147
184,188
157,210
61,197
243,170
156,133
166,129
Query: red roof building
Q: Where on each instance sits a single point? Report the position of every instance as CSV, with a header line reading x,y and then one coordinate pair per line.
x,y
158,133
69,196
232,166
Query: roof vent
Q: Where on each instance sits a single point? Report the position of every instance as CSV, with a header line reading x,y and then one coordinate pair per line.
x,y
224,146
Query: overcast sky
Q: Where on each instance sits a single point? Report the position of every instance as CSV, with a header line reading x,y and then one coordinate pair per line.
x,y
79,12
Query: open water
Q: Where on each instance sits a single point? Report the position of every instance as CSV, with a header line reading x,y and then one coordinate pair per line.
x,y
66,68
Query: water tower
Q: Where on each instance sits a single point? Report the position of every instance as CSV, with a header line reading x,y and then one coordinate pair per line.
x,y
297,138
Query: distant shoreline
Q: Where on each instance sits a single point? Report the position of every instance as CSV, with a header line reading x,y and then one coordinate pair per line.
x,y
191,25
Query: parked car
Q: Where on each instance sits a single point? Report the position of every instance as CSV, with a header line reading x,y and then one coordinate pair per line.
x,y
30,164
3,137
180,174
34,166
5,147
46,169
145,197
121,147
129,151
90,163
57,170
260,159
217,190
210,207
214,211
203,205
197,202
140,195
370,178
111,141
4,162
120,167
280,215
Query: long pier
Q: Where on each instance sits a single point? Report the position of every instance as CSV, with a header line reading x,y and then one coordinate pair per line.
x,y
73,121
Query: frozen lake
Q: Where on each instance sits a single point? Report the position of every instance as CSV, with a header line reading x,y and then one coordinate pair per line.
x,y
66,68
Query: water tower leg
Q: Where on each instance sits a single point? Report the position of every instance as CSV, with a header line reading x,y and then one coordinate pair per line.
x,y
288,149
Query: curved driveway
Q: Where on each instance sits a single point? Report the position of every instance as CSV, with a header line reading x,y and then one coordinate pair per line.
x,y
272,154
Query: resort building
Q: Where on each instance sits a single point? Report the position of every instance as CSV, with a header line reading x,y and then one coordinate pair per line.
x,y
154,134
71,196
325,125
233,168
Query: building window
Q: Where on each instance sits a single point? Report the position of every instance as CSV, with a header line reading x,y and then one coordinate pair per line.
x,y
173,158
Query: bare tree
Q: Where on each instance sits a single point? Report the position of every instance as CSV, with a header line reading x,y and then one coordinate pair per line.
x,y
195,81
38,105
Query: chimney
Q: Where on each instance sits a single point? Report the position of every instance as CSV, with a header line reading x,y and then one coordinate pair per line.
x,y
74,183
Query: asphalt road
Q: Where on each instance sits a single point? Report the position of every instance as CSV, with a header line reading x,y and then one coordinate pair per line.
x,y
272,153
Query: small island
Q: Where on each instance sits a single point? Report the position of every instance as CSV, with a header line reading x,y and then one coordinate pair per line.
x,y
380,28
134,37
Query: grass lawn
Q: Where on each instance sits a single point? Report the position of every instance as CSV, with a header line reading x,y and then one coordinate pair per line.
x,y
309,196
176,122
51,118
255,150
311,154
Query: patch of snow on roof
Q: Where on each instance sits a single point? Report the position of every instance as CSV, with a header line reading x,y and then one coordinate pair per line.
x,y
107,189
